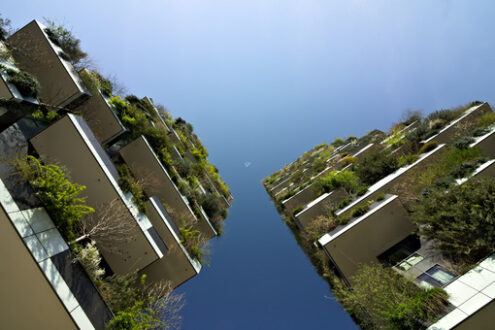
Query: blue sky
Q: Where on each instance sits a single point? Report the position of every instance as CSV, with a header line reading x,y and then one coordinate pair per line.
x,y
263,81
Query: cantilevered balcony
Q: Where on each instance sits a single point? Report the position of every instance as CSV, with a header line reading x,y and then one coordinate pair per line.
x,y
458,127
39,278
393,181
320,206
486,143
101,117
156,181
37,54
177,265
70,143
362,239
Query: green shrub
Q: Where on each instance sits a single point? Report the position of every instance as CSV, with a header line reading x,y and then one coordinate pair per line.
x,y
63,38
348,160
337,142
407,160
464,169
464,142
391,300
343,203
344,220
319,227
130,185
380,197
427,147
486,120
359,210
59,196
211,205
460,219
297,210
335,179
480,131
375,166
362,190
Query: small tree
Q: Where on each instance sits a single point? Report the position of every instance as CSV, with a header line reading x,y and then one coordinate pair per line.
x,y
392,301
462,219
375,166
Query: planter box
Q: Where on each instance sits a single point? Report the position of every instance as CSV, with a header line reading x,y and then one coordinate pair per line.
x,y
364,238
177,266
60,84
156,181
486,143
70,143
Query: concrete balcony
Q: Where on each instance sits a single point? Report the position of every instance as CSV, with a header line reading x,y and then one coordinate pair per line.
x,y
101,118
485,170
45,284
177,265
320,206
486,143
156,181
366,237
459,127
70,143
34,51
392,181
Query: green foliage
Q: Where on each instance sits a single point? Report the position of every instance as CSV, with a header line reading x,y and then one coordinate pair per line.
x,y
343,203
57,193
391,300
133,318
337,142
362,190
397,138
461,219
224,213
319,227
25,83
427,147
486,120
45,116
464,142
480,131
335,179
96,83
297,210
375,166
348,160
360,210
63,38
380,197
190,238
464,169
130,185
211,205
406,159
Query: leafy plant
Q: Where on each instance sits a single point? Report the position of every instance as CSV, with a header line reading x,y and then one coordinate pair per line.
x,y
336,179
464,142
320,226
26,83
375,166
130,185
348,160
57,193
64,38
461,219
486,120
391,300
480,131
360,210
404,160
427,147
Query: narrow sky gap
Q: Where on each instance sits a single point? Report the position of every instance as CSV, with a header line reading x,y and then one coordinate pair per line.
x,y
264,81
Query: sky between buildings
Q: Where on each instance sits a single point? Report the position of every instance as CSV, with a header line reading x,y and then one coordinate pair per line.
x,y
263,81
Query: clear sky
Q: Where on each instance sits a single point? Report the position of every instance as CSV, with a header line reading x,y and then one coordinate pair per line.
x,y
262,81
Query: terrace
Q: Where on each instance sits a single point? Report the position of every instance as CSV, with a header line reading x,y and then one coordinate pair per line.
x,y
70,142
467,121
46,285
363,238
156,181
40,56
384,185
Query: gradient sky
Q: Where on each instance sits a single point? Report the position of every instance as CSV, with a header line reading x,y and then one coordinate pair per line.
x,y
262,81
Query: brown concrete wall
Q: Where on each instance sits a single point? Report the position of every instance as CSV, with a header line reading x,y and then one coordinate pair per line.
x,y
100,118
4,90
365,241
62,144
323,207
146,168
481,320
27,299
174,266
463,127
33,52
488,145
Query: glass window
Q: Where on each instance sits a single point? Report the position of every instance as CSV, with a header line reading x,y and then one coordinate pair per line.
x,y
440,274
